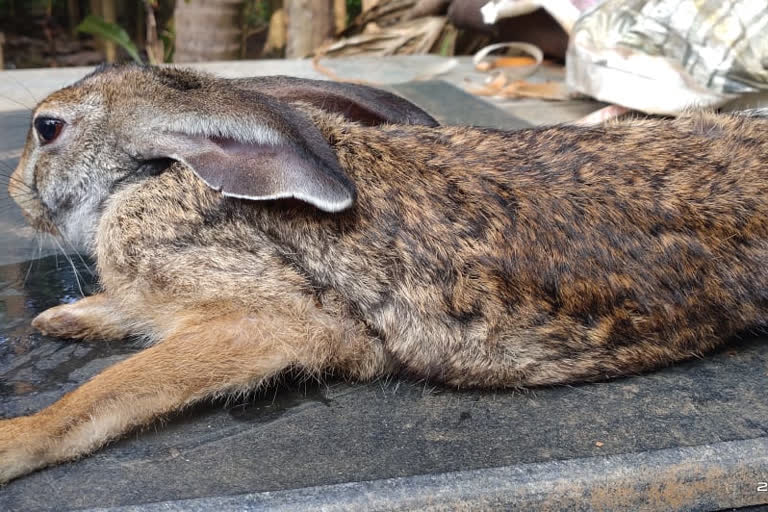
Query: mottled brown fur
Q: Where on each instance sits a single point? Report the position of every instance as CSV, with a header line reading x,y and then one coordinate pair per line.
x,y
472,257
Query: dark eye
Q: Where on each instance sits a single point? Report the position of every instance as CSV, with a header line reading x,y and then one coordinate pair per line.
x,y
48,128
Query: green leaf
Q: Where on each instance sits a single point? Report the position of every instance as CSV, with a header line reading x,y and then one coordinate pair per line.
x,y
96,26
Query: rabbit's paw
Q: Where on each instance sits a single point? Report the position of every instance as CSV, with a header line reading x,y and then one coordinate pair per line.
x,y
21,450
65,321
90,318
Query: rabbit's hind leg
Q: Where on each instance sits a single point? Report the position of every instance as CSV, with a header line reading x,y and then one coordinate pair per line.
x,y
90,318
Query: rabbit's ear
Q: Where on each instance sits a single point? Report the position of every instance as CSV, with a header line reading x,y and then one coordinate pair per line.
x,y
366,105
263,150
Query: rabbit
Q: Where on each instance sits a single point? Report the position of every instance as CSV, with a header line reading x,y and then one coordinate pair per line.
x,y
246,227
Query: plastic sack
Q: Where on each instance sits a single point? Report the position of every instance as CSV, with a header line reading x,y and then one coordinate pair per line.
x,y
664,56
565,12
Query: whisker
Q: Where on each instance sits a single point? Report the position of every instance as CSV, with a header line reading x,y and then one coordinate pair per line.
x,y
11,177
18,126
24,189
9,168
72,264
8,208
17,115
34,260
9,285
22,186
29,192
11,207
14,113
19,122
72,246
18,182
8,98
19,82
22,203
25,195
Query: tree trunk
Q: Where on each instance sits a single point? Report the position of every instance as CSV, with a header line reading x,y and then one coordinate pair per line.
x,y
153,45
310,22
275,43
207,30
73,15
109,14
340,15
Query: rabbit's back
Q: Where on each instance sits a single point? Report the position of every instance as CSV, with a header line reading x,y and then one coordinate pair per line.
x,y
564,253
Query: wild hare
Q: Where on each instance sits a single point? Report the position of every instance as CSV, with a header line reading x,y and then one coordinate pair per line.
x,y
244,227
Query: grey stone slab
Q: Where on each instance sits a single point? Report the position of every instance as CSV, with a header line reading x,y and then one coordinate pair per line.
x,y
616,482
450,105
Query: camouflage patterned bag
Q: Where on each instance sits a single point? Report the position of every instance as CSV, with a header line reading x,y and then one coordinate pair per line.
x,y
663,56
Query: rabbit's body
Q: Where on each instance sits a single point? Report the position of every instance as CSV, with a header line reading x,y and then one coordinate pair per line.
x,y
466,256
483,258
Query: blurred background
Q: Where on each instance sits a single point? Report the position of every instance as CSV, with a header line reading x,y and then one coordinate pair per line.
x,y
652,56
52,33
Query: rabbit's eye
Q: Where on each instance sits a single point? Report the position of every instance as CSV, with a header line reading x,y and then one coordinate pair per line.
x,y
48,128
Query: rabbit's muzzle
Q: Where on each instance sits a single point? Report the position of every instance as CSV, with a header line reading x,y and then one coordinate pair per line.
x,y
24,192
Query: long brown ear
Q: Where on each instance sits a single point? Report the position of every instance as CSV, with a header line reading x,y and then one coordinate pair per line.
x,y
246,144
366,105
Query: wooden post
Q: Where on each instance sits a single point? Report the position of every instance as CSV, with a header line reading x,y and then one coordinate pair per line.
x,y
110,16
340,15
154,46
276,34
95,7
2,42
310,22
207,30
73,15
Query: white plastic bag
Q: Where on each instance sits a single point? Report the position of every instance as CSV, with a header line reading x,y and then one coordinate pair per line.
x,y
664,56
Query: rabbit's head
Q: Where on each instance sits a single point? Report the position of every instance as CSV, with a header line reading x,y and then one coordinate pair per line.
x,y
242,137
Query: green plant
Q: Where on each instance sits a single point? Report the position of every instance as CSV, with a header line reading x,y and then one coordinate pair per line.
x,y
168,37
96,26
354,8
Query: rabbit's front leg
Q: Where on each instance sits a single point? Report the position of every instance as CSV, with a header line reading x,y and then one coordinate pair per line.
x,y
90,318
201,356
